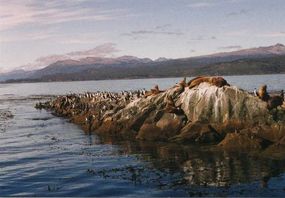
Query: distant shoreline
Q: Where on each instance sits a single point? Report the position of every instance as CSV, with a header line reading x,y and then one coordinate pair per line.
x,y
152,77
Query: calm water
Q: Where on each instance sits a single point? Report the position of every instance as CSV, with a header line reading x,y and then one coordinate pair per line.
x,y
43,155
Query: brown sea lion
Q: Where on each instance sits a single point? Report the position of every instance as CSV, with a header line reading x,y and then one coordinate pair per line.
x,y
194,79
262,93
170,106
274,102
153,91
182,83
181,86
217,81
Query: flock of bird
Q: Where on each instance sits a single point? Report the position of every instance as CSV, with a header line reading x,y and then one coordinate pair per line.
x,y
101,104
88,101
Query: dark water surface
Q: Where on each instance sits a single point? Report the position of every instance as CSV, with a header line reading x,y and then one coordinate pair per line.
x,y
43,155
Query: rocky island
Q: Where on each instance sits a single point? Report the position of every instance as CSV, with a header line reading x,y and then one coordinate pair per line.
x,y
206,110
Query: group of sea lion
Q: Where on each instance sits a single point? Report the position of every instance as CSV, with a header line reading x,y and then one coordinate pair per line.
x,y
153,91
272,101
170,106
213,80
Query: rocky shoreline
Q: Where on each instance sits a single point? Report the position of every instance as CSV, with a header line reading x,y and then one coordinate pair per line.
x,y
205,111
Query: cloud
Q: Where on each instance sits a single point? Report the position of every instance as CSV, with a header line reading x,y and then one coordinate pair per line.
x,y
237,33
105,50
272,34
28,36
202,38
99,51
201,5
18,13
52,35
241,12
163,30
162,27
230,47
210,3
142,32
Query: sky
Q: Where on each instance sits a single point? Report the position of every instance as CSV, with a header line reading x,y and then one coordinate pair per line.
x,y
37,32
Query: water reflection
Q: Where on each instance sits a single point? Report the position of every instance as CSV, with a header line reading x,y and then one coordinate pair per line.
x,y
44,155
202,165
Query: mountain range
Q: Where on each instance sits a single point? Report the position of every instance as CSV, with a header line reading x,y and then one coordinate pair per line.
x,y
261,60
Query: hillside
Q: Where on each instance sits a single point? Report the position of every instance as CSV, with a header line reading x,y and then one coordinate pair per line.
x,y
262,60
272,65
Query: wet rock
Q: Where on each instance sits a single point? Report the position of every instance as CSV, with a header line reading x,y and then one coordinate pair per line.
x,y
5,114
204,114
167,126
275,151
243,141
281,141
109,127
150,132
273,133
197,132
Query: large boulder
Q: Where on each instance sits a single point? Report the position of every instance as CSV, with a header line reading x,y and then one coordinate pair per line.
x,y
243,141
197,132
167,126
223,104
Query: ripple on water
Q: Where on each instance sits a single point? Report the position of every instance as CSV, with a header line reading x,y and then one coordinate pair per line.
x,y
42,155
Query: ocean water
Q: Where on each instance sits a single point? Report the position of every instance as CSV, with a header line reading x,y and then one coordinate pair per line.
x,y
44,155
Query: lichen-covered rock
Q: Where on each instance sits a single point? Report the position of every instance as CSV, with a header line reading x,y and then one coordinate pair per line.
x,y
219,105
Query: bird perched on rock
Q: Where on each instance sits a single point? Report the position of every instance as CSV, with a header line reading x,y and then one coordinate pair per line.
x,y
89,119
255,92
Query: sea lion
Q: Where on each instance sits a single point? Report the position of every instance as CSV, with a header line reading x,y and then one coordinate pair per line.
x,y
274,102
170,106
180,87
217,81
89,120
153,91
262,93
182,83
194,79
